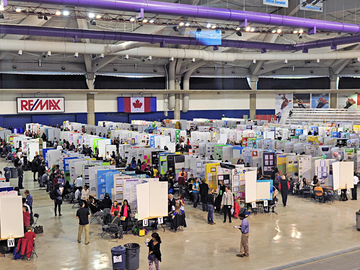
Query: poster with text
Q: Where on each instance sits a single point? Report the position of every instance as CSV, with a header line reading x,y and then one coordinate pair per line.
x,y
312,5
320,101
358,101
283,102
347,101
301,101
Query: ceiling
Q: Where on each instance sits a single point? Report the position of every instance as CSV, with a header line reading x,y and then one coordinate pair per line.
x,y
347,11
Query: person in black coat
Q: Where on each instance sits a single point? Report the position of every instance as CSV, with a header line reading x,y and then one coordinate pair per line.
x,y
219,197
125,213
204,189
35,165
284,187
106,202
154,250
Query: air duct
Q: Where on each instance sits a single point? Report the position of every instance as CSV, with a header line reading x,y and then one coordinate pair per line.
x,y
205,12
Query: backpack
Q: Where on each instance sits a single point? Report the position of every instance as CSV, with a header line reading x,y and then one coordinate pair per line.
x,y
17,255
52,194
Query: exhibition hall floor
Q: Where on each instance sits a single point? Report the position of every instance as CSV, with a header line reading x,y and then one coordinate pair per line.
x,y
302,230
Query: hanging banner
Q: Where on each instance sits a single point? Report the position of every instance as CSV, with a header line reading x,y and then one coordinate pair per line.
x,y
283,101
277,3
40,105
347,101
312,5
301,101
320,101
136,104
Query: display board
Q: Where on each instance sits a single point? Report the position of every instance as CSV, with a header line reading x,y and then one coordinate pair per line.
x,y
343,175
250,186
264,190
11,216
305,169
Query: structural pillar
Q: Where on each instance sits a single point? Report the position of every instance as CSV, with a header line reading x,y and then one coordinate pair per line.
x,y
253,82
252,106
90,98
333,96
177,115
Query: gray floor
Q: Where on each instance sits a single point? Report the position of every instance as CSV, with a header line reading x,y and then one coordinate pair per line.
x,y
303,230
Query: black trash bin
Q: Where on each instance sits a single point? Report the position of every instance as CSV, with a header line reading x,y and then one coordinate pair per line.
x,y
118,257
7,174
14,172
132,260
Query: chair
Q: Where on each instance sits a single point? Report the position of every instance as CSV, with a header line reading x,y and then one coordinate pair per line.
x,y
306,192
113,229
76,204
36,215
95,218
34,252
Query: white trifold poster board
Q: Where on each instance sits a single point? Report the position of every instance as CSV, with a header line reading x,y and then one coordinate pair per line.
x,y
343,175
53,157
152,200
11,215
263,190
250,186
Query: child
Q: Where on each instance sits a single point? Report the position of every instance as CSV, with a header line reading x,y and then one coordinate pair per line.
x,y
30,235
26,218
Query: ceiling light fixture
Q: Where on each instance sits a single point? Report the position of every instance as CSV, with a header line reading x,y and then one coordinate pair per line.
x,y
66,13
208,25
132,19
187,24
278,31
273,31
252,29
286,61
98,16
145,20
152,21
318,60
58,13
18,10
213,26
295,31
181,23
2,8
238,29
254,61
91,15
301,31
247,29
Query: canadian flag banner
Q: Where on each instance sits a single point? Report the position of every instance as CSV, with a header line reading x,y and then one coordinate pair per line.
x,y
136,104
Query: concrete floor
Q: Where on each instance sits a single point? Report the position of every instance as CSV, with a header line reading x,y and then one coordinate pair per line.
x,y
302,230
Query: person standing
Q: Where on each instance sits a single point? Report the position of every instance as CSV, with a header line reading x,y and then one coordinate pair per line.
x,y
182,180
227,203
154,251
284,187
83,215
204,190
210,206
125,214
29,199
244,244
57,199
20,172
35,165
354,190
196,189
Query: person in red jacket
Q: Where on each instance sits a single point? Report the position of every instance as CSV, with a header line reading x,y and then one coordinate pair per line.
x,y
236,207
284,187
30,235
26,218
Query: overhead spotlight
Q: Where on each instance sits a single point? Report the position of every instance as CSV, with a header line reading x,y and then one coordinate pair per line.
x,y
20,52
76,55
150,58
66,13
2,8
58,13
145,20
300,36
193,60
132,19
187,24
45,18
181,23
238,29
63,68
92,22
152,21
102,55
239,33
176,28
318,60
213,26
208,25
155,70
48,53
115,69
171,59
91,15
295,31
285,61
252,29
273,31
39,63
40,17
254,61
98,16
18,10
278,31
198,30
247,29
126,57
301,31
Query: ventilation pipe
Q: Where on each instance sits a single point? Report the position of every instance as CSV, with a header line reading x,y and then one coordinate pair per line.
x,y
186,86
206,12
172,84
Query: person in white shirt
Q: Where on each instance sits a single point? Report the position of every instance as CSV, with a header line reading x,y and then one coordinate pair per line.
x,y
354,190
78,181
108,157
78,194
85,193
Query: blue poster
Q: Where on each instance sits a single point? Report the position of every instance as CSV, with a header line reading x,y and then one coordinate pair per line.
x,y
152,141
320,101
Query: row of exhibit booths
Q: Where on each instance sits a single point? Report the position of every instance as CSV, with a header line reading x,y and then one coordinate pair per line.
x,y
85,128
28,146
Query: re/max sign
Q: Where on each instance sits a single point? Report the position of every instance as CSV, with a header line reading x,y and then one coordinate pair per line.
x,y
40,105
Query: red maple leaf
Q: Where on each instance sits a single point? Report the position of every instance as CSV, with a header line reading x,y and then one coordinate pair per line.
x,y
137,104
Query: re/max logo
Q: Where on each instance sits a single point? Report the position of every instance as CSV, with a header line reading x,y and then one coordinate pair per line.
x,y
40,105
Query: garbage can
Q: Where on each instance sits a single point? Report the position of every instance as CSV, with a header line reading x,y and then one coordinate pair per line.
x,y
358,220
14,173
7,174
132,260
118,257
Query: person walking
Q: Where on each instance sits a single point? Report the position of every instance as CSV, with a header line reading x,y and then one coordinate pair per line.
x,y
204,190
182,180
196,189
284,187
354,190
20,171
83,215
227,203
244,244
57,199
154,251
210,206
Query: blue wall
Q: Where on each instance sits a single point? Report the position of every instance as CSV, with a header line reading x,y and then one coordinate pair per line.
x,y
19,120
